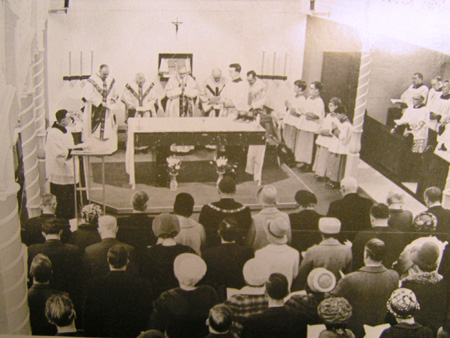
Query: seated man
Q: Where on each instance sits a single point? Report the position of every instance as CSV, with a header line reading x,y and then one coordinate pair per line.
x,y
329,254
182,312
117,304
372,284
280,257
31,230
251,299
40,291
60,312
87,232
96,254
212,214
277,320
394,239
136,229
267,197
66,260
225,262
219,321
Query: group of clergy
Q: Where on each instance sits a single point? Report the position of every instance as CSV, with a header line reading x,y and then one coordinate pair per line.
x,y
182,96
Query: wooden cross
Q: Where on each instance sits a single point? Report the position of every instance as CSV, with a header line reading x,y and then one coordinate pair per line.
x,y
177,24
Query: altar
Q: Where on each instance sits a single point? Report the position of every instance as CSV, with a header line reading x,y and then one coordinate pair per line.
x,y
160,133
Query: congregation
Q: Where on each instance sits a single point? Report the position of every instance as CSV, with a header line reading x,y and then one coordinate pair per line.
x,y
238,274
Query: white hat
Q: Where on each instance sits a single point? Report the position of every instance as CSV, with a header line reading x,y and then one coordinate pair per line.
x,y
277,230
256,272
267,195
189,267
329,225
321,280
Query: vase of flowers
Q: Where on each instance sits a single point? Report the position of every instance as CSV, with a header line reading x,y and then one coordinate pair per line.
x,y
173,168
222,167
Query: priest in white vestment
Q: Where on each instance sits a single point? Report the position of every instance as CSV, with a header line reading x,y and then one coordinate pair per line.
x,y
234,95
140,98
257,95
211,94
59,165
417,87
99,121
181,90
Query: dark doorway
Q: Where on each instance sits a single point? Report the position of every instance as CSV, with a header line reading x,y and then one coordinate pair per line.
x,y
340,72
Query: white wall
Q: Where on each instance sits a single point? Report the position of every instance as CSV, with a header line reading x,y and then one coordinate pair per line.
x,y
129,35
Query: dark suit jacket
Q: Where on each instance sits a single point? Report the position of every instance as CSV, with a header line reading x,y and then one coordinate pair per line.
x,y
354,213
37,296
401,220
96,258
395,242
212,214
31,230
305,229
67,265
117,305
85,235
275,322
225,263
443,218
136,230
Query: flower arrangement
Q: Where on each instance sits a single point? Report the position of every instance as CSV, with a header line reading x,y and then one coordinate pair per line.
x,y
222,165
173,165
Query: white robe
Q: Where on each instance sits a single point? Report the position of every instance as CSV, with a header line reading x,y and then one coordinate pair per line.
x,y
58,165
409,93
236,92
102,139
174,92
144,103
212,89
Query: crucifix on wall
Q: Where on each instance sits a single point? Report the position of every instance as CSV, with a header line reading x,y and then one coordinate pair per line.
x,y
177,25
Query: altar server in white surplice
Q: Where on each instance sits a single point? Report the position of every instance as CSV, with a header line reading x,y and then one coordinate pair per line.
x,y
211,93
99,121
140,98
257,95
234,95
181,90
295,107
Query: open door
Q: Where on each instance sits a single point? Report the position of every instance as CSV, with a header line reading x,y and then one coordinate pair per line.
x,y
340,72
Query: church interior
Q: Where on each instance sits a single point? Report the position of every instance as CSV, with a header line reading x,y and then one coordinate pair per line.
x,y
363,52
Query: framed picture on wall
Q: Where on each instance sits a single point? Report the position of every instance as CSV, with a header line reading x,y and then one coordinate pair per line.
x,y
168,63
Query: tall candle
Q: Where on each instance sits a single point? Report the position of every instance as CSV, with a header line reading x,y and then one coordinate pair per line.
x,y
285,62
92,61
70,63
81,63
274,60
262,64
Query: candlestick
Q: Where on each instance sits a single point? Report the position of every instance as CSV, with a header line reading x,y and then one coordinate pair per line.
x,y
70,63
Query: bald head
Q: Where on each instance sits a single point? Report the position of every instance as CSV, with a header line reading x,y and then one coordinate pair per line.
x,y
140,78
349,185
216,74
107,226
